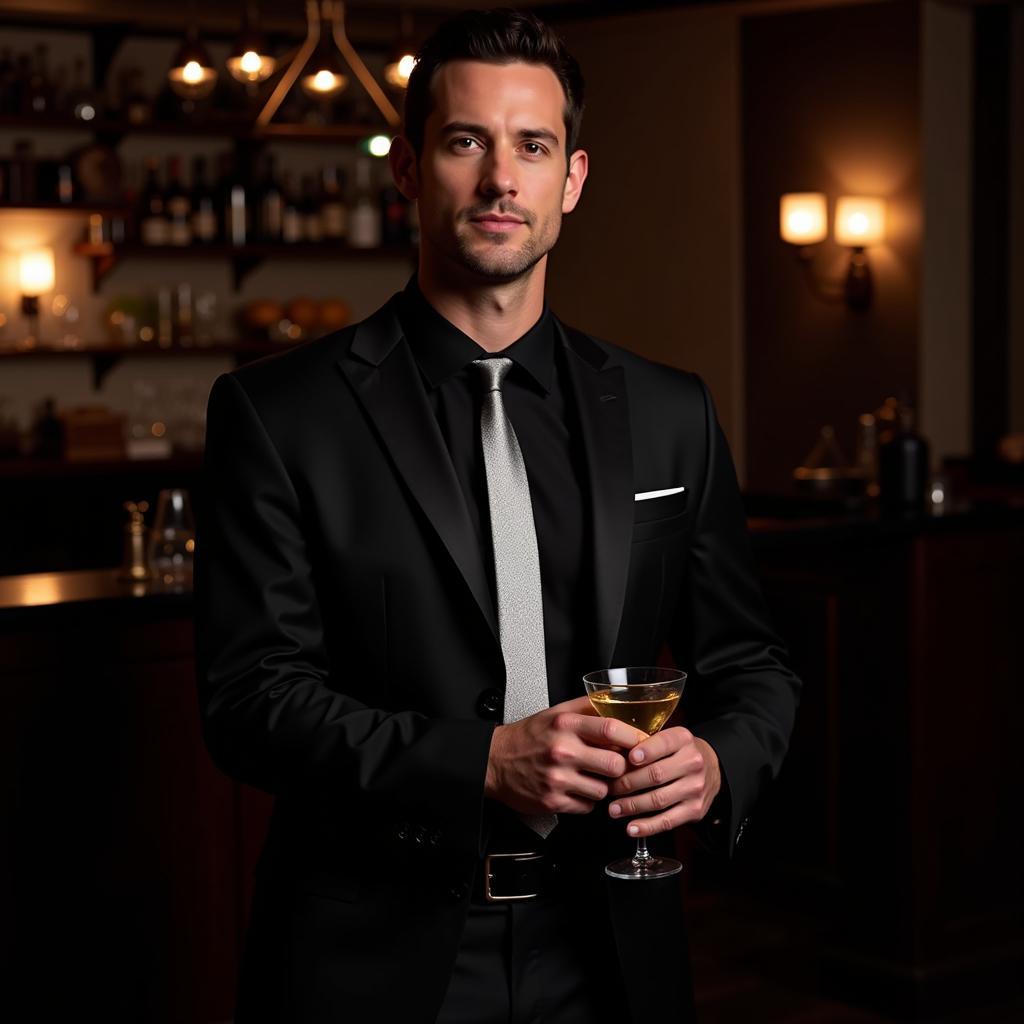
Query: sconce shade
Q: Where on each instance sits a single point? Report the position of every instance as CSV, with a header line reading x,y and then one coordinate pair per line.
x,y
860,221
802,218
36,272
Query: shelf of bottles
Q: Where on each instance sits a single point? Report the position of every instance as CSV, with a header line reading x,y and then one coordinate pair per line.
x,y
246,211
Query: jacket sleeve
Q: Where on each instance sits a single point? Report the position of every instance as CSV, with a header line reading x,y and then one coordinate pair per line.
x,y
741,695
274,708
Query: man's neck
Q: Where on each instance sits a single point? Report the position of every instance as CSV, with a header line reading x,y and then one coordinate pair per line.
x,y
494,316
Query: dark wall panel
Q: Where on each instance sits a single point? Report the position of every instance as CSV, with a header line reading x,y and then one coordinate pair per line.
x,y
830,103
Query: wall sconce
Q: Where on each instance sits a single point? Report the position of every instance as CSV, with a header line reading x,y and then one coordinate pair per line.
x,y
859,222
36,275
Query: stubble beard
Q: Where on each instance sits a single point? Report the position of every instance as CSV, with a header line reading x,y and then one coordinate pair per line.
x,y
503,262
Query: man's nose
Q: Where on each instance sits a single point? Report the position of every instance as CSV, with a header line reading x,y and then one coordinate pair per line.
x,y
499,174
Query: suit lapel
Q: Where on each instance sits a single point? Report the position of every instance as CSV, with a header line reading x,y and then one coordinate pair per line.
x,y
383,373
601,400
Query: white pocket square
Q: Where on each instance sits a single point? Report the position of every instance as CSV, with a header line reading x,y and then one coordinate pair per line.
x,y
644,495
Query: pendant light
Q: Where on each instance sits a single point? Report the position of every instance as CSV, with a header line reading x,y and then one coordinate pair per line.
x,y
399,68
249,61
317,61
192,74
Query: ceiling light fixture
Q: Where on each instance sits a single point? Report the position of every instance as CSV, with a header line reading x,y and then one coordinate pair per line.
x,y
325,20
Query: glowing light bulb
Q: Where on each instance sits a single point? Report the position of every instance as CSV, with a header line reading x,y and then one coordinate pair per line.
x,y
192,73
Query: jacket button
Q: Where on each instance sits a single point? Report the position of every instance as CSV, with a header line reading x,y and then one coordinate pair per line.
x,y
419,835
457,893
402,832
434,837
490,705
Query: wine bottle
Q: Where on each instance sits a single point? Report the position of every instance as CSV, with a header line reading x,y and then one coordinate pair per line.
x,y
364,230
312,225
291,215
333,211
204,209
903,467
178,205
270,205
236,211
154,228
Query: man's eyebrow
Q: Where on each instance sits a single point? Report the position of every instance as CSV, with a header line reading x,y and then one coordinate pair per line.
x,y
479,129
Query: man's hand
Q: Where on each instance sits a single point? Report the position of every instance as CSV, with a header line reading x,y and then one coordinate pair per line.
x,y
546,763
679,776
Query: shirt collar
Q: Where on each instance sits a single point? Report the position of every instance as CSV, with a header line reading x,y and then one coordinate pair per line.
x,y
442,350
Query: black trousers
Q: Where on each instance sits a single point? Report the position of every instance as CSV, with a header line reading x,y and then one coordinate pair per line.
x,y
561,961
533,963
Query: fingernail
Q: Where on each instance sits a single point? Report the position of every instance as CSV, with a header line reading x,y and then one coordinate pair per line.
x,y
637,756
615,810
633,830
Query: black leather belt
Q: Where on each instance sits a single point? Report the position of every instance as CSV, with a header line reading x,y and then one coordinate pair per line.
x,y
515,877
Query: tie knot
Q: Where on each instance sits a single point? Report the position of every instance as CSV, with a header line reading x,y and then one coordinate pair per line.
x,y
493,372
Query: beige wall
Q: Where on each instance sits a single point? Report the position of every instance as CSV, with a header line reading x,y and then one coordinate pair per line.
x,y
650,257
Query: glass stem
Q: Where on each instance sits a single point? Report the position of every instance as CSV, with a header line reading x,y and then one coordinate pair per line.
x,y
642,858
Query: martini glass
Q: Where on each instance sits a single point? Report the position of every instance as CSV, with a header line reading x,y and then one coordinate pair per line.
x,y
643,697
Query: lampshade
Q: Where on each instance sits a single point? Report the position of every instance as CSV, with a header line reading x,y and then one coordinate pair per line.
x,y
860,221
249,62
36,271
802,218
397,73
192,74
323,75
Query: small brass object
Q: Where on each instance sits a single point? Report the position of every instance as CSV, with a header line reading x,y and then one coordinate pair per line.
x,y
135,566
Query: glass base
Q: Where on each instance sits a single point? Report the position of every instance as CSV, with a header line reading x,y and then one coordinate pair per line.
x,y
653,867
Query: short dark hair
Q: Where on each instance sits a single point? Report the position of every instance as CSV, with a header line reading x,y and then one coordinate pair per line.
x,y
498,36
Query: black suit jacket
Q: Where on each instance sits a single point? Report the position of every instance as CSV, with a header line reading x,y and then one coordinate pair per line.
x,y
345,632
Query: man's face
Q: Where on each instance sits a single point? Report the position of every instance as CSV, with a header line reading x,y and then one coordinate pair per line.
x,y
494,147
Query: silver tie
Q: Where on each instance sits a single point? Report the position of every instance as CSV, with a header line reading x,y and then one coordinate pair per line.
x,y
516,563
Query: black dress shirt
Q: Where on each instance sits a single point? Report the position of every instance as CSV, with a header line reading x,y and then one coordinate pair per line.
x,y
538,401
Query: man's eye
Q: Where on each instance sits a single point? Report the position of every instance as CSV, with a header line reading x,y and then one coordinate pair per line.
x,y
536,150
457,143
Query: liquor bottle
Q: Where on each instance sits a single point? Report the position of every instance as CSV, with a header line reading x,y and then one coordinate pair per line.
x,y
903,467
333,211
291,215
236,210
204,209
312,224
394,224
38,97
154,228
178,205
270,204
364,229
82,103
136,106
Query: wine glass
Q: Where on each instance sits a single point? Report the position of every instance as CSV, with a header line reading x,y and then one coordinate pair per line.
x,y
643,697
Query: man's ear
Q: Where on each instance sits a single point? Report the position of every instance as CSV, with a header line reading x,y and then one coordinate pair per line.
x,y
578,166
404,169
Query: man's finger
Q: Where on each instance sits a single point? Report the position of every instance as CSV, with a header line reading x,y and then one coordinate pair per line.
x,y
606,732
661,744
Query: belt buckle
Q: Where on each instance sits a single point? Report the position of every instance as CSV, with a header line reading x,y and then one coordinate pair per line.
x,y
491,897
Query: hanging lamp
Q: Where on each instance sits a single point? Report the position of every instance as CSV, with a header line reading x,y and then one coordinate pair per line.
x,y
398,70
325,20
250,61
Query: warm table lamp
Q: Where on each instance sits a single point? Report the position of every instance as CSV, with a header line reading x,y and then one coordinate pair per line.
x,y
36,274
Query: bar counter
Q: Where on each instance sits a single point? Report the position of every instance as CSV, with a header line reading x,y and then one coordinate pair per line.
x,y
895,821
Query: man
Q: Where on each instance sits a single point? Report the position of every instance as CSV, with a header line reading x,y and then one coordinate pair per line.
x,y
365,607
